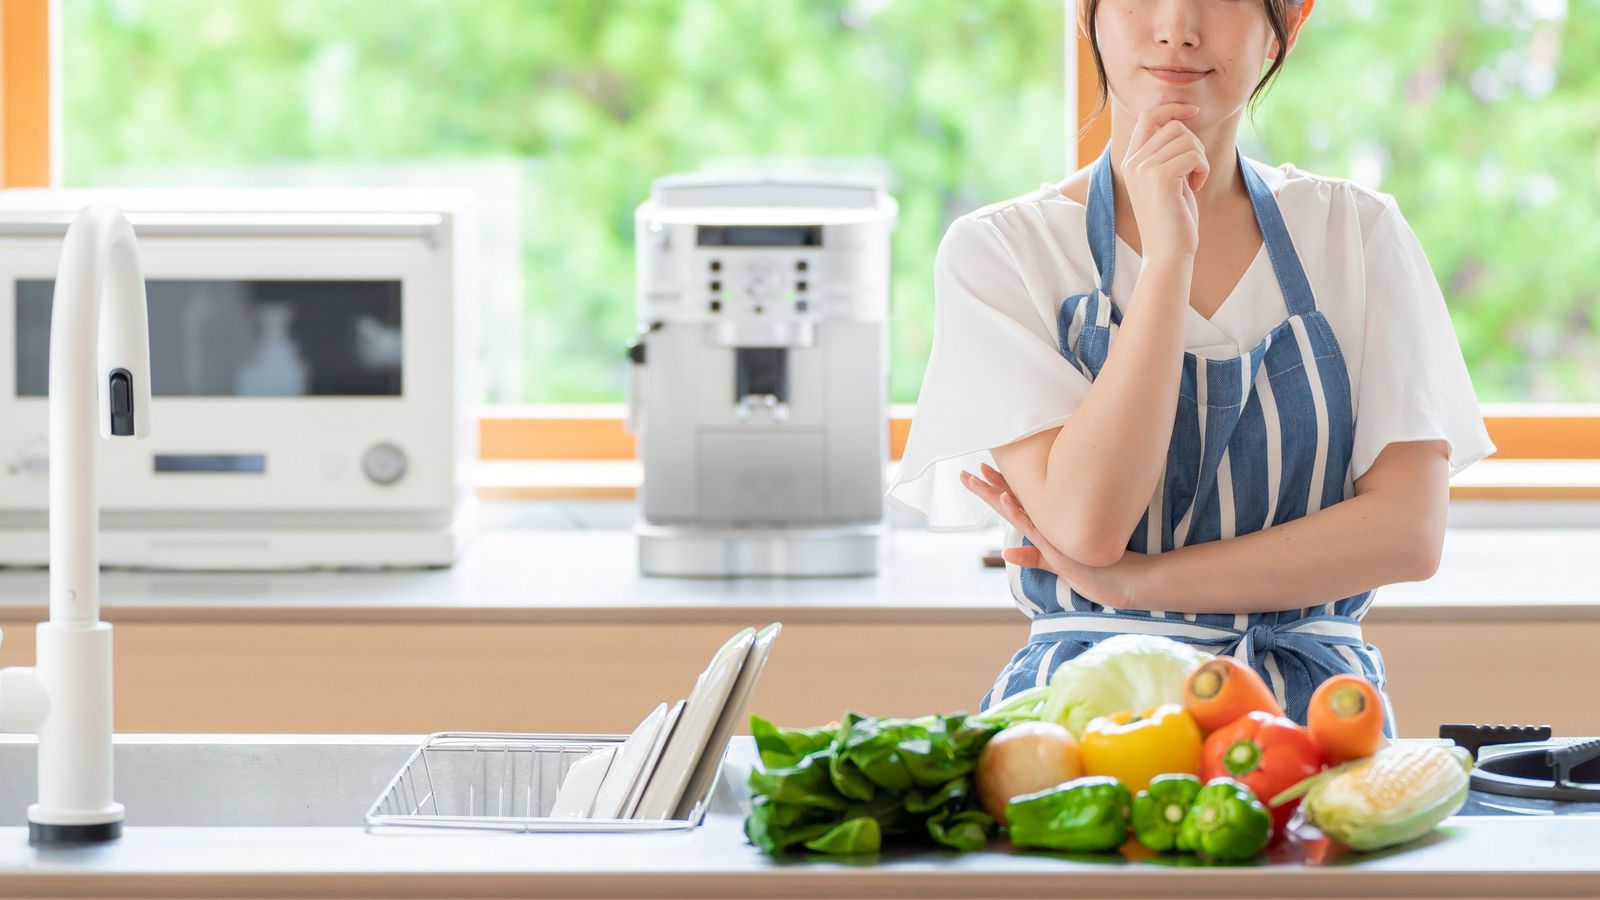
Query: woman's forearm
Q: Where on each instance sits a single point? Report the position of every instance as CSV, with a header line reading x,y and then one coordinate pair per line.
x,y
1104,464
1351,547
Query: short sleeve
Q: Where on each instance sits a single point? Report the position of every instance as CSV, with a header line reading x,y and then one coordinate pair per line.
x,y
994,375
1414,384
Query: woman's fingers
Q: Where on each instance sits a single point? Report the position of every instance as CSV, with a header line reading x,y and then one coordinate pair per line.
x,y
1161,143
1024,556
998,496
1188,148
986,492
1172,146
1152,119
994,477
1182,166
978,486
1001,500
1019,517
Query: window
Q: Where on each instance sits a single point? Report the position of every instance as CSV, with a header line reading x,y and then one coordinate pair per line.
x,y
562,113
1472,113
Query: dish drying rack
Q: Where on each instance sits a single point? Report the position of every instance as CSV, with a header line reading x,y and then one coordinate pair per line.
x,y
504,782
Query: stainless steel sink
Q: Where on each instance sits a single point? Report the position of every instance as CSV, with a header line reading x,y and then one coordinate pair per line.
x,y
228,779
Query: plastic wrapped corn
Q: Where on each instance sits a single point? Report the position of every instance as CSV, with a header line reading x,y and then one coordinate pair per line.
x,y
1393,796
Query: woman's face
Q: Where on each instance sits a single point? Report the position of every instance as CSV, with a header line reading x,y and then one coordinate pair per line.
x,y
1223,45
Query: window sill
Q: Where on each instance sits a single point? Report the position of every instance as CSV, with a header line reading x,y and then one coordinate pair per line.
x,y
1489,479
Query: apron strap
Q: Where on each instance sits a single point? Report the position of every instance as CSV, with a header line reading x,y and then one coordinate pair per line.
x,y
1102,228
1280,248
1103,222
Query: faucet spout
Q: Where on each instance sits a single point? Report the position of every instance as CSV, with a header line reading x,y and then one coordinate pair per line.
x,y
98,316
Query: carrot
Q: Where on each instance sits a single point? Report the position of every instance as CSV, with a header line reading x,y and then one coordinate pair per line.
x,y
1346,718
1222,690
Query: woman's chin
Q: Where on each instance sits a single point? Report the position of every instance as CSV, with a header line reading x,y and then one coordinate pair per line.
x,y
1182,95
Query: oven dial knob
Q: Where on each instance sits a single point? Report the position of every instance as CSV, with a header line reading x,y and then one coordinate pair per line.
x,y
384,463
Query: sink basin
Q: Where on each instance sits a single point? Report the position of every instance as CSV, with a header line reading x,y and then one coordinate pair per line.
x,y
227,779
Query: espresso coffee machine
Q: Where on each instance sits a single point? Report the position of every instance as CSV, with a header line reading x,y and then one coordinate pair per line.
x,y
758,383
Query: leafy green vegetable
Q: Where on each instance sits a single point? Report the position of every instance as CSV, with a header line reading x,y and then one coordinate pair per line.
x,y
786,746
844,790
965,830
858,835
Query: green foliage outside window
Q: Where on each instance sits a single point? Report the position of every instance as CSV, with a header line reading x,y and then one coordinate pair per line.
x,y
1480,117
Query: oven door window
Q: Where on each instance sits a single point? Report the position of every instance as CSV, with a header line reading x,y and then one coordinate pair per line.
x,y
246,338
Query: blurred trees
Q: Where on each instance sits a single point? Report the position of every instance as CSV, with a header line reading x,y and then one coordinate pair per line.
x,y
1480,116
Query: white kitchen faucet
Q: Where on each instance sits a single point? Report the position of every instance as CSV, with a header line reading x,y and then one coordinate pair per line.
x,y
66,697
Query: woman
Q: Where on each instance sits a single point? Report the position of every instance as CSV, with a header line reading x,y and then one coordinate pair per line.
x,y
1242,418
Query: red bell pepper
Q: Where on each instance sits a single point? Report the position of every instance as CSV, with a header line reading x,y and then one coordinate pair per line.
x,y
1267,752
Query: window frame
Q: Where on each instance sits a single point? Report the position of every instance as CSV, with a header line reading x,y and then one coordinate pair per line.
x,y
1559,444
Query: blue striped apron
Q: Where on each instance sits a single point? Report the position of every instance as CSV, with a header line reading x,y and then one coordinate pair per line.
x,y
1259,439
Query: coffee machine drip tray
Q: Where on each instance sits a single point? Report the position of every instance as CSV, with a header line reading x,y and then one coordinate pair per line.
x,y
702,552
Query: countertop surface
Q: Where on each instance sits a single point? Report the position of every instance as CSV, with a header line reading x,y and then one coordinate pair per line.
x,y
1511,856
546,562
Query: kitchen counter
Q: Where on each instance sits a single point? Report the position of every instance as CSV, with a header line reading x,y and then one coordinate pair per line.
x,y
551,589
1471,856
564,562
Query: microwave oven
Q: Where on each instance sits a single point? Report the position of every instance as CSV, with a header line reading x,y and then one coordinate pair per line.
x,y
310,360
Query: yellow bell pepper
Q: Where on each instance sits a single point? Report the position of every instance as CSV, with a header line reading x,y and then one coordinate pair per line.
x,y
1134,748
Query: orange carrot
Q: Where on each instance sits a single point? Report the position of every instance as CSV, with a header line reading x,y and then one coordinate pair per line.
x,y
1346,718
1222,690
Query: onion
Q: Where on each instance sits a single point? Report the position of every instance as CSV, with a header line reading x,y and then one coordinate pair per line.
x,y
1023,758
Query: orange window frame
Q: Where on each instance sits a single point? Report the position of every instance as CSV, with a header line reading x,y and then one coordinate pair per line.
x,y
25,93
557,432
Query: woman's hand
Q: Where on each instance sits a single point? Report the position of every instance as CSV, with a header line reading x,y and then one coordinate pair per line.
x,y
1165,164
1116,585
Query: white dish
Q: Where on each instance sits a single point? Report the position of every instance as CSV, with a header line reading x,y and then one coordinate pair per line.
x,y
705,769
629,762
647,771
689,738
575,798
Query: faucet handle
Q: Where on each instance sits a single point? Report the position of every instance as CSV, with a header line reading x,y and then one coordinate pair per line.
x,y
23,701
122,417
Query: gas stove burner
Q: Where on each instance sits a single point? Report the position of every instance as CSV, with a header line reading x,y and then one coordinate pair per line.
x,y
1571,773
1519,764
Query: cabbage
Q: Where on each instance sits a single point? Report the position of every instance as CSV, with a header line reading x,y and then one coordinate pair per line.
x,y
1125,671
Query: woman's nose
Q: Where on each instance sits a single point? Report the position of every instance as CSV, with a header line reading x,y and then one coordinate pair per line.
x,y
1174,22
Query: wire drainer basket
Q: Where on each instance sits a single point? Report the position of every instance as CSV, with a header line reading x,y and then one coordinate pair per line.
x,y
503,782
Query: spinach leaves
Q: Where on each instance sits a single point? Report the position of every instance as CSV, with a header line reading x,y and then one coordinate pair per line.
x,y
844,790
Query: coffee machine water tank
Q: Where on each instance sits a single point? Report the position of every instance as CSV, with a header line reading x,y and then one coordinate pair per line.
x,y
758,377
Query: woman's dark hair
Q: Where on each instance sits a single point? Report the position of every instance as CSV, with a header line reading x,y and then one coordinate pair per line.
x,y
1277,15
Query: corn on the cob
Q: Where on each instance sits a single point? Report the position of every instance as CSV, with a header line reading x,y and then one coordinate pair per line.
x,y
1397,794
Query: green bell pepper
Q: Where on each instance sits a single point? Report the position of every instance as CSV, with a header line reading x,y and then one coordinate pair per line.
x,y
1158,812
1226,822
1087,814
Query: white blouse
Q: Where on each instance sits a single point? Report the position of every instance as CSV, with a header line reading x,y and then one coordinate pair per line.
x,y
995,374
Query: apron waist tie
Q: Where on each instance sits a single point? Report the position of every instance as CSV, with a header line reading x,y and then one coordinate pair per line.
x,y
1293,657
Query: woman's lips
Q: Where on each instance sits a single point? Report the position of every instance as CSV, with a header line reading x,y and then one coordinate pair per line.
x,y
1178,76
